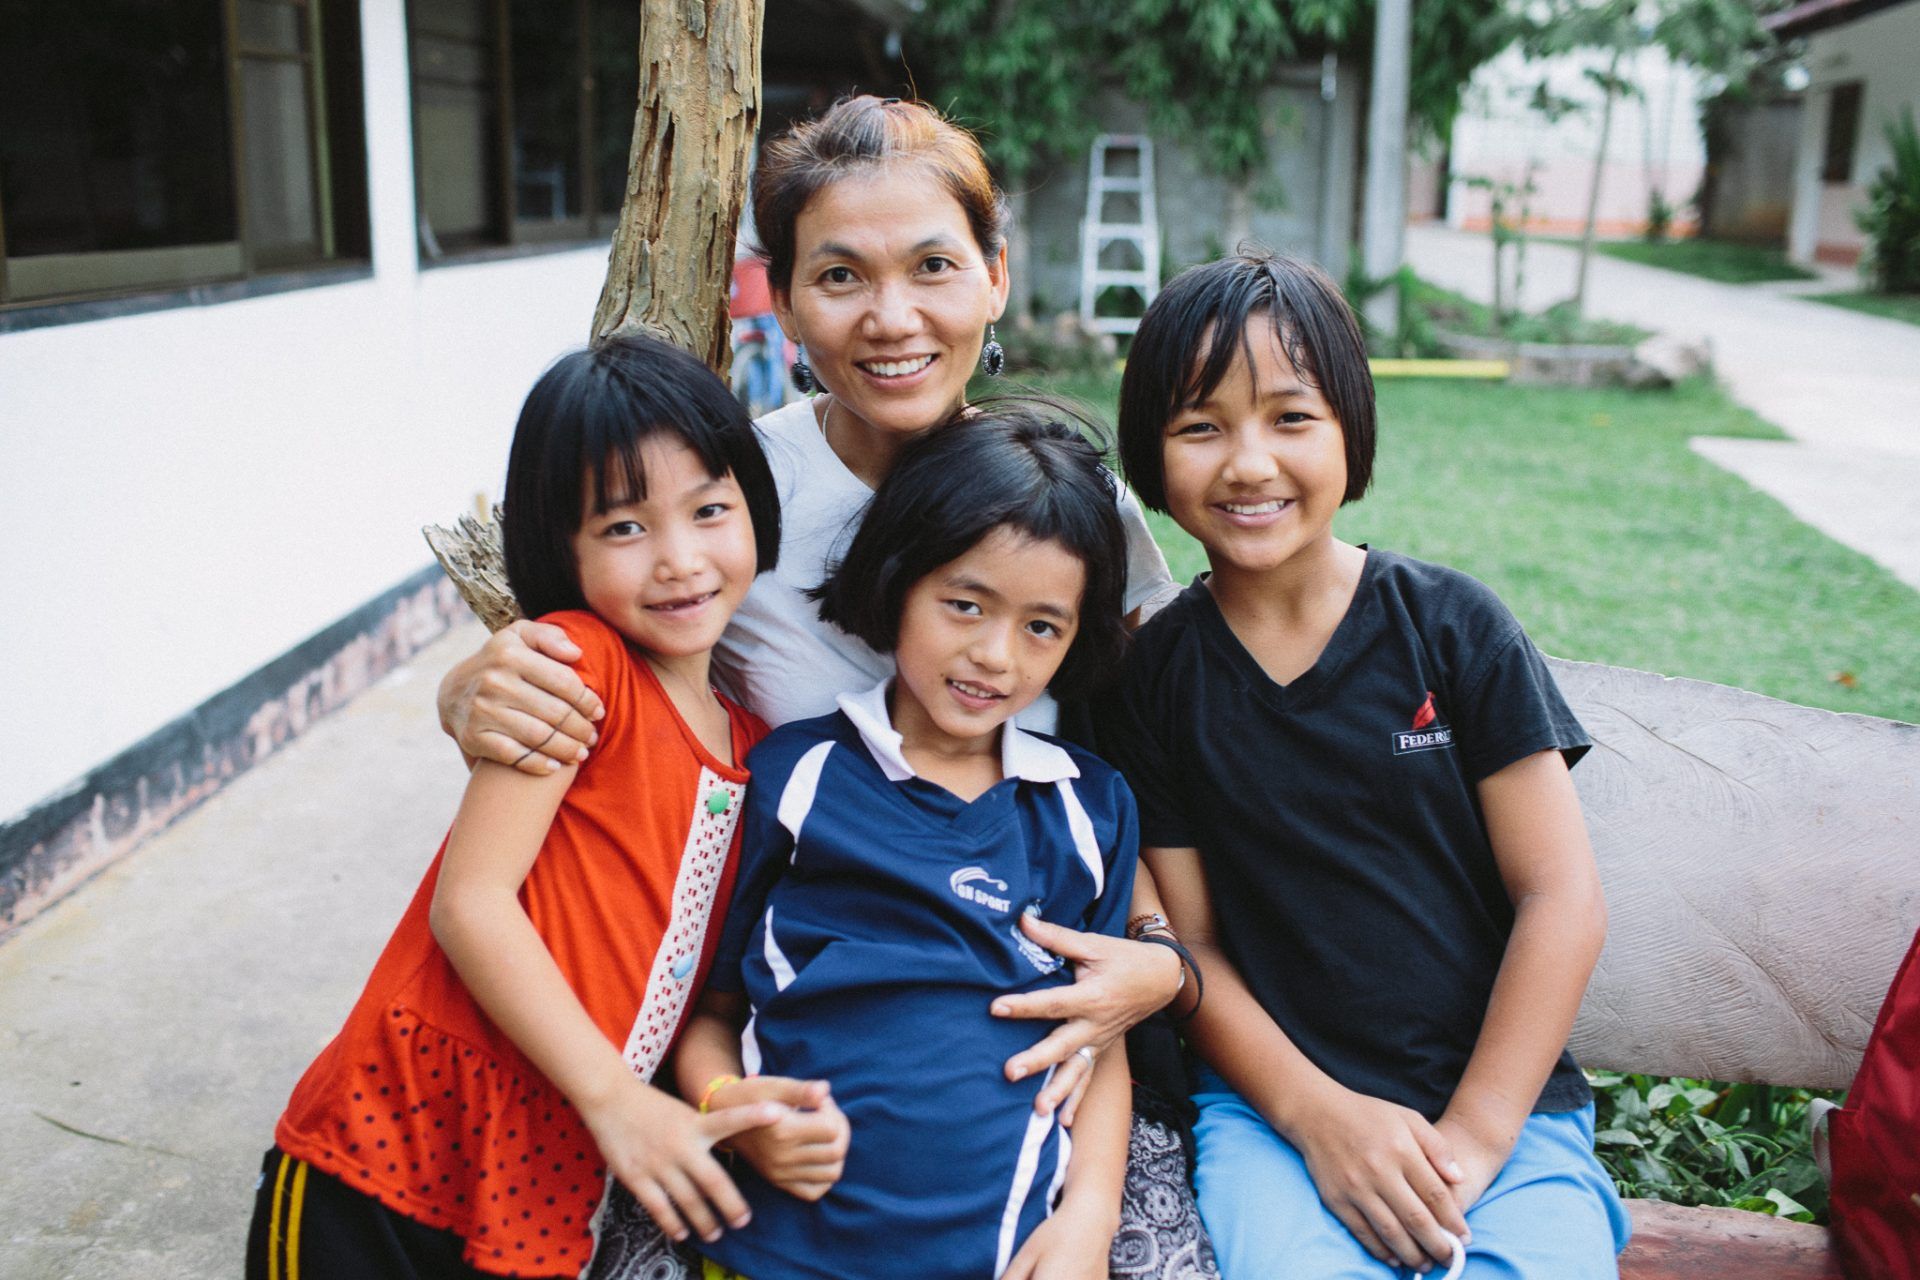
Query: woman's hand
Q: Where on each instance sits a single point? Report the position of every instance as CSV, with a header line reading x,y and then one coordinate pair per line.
x,y
804,1152
518,701
1386,1173
661,1150
1116,984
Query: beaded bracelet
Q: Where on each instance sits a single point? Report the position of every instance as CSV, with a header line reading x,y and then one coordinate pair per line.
x,y
714,1086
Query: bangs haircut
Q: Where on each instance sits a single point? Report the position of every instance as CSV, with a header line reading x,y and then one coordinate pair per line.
x,y
1197,327
859,136
580,432
1025,465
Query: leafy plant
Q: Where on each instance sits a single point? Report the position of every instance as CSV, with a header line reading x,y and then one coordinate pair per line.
x,y
1701,1142
1660,213
1892,216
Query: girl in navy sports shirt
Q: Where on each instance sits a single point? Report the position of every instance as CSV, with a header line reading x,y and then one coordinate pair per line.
x,y
890,851
1352,770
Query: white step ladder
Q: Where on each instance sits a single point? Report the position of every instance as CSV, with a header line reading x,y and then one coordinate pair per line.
x,y
1120,236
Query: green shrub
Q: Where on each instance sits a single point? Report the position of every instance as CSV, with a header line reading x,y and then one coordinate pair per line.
x,y
1892,216
1659,216
1694,1142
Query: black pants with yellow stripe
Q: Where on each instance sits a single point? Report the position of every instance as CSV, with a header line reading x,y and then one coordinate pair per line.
x,y
309,1226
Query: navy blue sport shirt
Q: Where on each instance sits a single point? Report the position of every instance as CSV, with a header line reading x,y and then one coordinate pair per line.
x,y
875,918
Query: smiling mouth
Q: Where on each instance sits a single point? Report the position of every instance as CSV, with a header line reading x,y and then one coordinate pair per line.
x,y
1271,506
978,692
683,604
895,368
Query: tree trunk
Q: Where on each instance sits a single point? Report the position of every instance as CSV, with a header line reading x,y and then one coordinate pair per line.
x,y
1019,260
672,260
1237,218
1593,194
686,175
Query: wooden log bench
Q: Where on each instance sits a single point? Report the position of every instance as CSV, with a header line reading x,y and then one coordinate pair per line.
x,y
1762,870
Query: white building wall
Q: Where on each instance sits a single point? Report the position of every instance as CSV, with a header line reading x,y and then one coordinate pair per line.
x,y
188,493
1882,51
1655,140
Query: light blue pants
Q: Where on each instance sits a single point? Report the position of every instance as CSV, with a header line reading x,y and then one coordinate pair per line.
x,y
1552,1214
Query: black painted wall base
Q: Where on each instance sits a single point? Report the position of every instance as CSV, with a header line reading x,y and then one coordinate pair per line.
x,y
53,847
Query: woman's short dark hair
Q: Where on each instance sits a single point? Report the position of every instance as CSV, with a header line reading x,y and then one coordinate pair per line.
x,y
1191,334
859,135
586,417
1023,465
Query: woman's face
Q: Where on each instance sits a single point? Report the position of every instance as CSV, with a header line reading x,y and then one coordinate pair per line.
x,y
891,296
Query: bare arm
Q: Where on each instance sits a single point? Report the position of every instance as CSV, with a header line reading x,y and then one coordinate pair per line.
x,y
1379,1167
1074,1243
805,1151
1546,863
654,1144
517,701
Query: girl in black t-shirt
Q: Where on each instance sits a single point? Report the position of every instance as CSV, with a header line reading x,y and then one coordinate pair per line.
x,y
1352,770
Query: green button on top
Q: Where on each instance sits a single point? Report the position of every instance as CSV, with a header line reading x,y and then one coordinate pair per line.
x,y
719,802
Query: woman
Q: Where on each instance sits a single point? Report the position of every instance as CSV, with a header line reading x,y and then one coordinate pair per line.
x,y
885,241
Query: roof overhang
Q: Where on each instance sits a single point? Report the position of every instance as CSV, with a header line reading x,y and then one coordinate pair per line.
x,y
1817,15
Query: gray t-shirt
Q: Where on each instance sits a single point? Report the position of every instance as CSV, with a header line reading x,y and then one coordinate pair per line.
x,y
777,657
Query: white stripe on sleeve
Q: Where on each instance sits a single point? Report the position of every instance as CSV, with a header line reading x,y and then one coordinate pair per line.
x,y
1024,1171
796,801
1084,841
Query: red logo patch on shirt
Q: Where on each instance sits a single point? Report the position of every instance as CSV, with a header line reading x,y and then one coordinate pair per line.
x,y
1426,715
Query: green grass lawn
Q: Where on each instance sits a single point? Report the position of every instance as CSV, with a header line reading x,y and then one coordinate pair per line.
x,y
1613,542
1894,306
1719,260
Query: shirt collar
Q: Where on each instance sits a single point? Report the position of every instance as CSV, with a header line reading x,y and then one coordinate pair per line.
x,y
1022,755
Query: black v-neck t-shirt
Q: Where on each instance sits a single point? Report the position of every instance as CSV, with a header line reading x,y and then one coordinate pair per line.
x,y
1338,818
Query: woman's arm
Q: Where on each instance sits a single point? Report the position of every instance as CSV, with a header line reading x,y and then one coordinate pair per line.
x,y
1074,1243
1546,863
517,701
1116,984
1379,1167
654,1144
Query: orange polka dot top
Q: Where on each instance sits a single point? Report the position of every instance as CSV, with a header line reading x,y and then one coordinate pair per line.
x,y
423,1104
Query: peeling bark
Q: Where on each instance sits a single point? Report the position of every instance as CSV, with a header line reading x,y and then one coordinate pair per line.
x,y
698,108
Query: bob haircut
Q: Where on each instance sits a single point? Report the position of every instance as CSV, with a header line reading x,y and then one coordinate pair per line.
x,y
857,136
581,429
1022,465
1192,333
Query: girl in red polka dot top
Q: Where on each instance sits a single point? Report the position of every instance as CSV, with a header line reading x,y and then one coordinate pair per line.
x,y
495,1069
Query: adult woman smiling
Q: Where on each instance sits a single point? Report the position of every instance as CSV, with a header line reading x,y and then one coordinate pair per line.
x,y
885,242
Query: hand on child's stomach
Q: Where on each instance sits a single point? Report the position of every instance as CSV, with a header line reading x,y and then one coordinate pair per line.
x,y
1116,983
803,1152
661,1150
1386,1173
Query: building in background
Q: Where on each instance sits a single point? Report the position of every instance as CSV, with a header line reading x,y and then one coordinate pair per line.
x,y
1863,68
1655,145
274,278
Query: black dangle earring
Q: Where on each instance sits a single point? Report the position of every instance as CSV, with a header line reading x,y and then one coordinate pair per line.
x,y
993,356
803,379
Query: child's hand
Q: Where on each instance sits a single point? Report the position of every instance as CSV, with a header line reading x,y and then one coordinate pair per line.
x,y
1073,1244
804,1151
660,1148
1480,1160
1387,1174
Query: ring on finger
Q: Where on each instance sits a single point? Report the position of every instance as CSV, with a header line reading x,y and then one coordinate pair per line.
x,y
1086,1051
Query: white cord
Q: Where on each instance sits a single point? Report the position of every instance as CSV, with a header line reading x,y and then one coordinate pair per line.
x,y
1459,1262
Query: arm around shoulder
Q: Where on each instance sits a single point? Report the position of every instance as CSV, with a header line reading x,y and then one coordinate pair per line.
x,y
517,700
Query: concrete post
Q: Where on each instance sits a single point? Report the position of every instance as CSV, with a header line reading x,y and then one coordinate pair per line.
x,y
1383,220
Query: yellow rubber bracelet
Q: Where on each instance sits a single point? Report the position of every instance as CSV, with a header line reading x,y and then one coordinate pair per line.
x,y
714,1086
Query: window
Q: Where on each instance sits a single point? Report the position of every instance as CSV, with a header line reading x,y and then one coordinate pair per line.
x,y
523,113
1843,131
157,143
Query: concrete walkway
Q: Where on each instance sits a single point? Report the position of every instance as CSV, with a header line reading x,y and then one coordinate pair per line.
x,y
1844,386
156,1020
